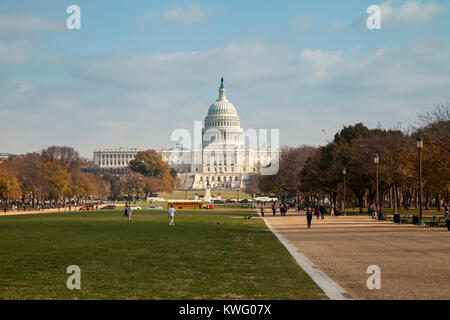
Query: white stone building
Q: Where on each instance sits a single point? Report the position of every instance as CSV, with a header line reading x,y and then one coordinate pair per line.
x,y
224,161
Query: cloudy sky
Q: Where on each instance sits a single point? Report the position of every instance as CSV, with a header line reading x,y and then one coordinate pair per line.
x,y
137,70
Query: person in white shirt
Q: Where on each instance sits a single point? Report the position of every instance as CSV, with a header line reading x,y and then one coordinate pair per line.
x,y
171,215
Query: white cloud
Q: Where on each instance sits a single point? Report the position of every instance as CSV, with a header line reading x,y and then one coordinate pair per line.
x,y
301,21
409,13
190,15
398,13
193,14
19,26
141,98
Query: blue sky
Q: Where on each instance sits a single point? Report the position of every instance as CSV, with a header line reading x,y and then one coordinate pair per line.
x,y
137,70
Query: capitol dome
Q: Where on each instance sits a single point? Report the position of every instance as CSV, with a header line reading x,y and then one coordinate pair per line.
x,y
222,123
222,113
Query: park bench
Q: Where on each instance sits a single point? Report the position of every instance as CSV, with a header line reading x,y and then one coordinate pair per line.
x,y
434,222
404,218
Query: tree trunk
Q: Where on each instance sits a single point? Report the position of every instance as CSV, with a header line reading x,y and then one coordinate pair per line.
x,y
394,198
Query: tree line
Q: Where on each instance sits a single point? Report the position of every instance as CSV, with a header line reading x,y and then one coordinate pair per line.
x,y
56,176
309,174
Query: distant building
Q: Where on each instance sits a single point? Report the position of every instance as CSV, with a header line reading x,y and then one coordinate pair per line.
x,y
5,156
223,162
114,160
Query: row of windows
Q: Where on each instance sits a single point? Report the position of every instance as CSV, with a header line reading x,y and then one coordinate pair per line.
x,y
222,123
220,179
108,156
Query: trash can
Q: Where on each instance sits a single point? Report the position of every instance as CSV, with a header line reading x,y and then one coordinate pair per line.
x,y
415,219
396,218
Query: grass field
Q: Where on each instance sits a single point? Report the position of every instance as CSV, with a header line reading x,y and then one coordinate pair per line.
x,y
206,255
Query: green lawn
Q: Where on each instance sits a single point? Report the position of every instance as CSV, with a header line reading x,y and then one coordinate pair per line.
x,y
206,255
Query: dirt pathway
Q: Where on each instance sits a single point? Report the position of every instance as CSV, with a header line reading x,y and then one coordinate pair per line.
x,y
414,261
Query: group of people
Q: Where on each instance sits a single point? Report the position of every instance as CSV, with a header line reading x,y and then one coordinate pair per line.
x,y
283,209
128,212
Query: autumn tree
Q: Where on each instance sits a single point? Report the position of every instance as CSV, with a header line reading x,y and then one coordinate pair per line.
x,y
150,164
57,179
9,186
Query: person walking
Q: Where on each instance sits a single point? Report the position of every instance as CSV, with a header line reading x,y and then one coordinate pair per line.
x,y
128,212
285,209
171,215
309,215
322,212
317,212
332,211
274,208
262,210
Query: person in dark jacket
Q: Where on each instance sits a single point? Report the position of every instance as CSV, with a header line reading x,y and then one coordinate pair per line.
x,y
317,212
309,215
262,210
274,208
285,209
322,212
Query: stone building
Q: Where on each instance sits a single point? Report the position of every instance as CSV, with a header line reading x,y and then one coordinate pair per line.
x,y
224,161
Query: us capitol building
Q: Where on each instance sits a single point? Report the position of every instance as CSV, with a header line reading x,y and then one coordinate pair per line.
x,y
223,161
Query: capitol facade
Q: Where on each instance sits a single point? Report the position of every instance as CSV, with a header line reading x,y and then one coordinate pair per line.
x,y
224,160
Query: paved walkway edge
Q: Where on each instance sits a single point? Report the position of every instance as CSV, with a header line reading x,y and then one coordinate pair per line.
x,y
329,287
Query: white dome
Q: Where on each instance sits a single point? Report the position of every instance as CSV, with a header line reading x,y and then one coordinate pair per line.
x,y
222,107
222,124
222,113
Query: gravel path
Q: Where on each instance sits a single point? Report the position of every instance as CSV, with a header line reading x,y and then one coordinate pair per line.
x,y
414,261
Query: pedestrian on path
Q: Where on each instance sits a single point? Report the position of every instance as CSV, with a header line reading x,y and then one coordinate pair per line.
x,y
262,210
285,209
322,212
274,208
317,211
309,215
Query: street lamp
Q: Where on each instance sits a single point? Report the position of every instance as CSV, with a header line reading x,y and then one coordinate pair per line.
x,y
344,172
376,160
419,147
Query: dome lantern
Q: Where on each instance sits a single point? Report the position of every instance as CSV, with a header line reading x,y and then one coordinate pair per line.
x,y
222,91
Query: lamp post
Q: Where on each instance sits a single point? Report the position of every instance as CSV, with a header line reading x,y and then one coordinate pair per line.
x,y
376,160
419,147
344,172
